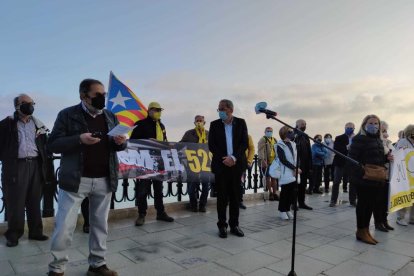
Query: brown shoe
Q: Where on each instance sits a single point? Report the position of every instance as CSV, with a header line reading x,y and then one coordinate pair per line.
x,y
362,235
103,270
52,273
369,234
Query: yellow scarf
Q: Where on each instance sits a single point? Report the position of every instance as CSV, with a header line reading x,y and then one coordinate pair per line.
x,y
201,133
159,134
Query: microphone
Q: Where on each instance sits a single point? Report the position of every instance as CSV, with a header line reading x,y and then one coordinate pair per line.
x,y
261,108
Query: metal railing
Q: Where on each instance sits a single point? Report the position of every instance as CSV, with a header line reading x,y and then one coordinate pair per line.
x,y
254,181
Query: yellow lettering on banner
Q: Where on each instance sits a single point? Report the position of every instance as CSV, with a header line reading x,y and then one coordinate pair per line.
x,y
409,162
203,154
193,162
401,200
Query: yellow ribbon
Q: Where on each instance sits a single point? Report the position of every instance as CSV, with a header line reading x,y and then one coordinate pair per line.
x,y
201,133
159,134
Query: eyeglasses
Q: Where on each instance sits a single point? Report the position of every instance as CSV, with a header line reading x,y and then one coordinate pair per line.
x,y
221,109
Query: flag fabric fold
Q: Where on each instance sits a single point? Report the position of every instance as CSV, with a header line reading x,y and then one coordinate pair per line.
x,y
123,102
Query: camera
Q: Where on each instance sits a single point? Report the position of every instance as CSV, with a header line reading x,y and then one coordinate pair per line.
x,y
97,134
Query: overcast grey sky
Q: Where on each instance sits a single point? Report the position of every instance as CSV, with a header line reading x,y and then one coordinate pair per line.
x,y
328,62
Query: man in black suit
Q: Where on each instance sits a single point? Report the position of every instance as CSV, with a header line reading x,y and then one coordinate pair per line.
x,y
228,142
341,144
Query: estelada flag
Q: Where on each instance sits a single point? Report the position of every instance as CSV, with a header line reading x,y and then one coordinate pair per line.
x,y
127,107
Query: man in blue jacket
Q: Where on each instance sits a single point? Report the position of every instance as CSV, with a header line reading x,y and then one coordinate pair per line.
x,y
88,168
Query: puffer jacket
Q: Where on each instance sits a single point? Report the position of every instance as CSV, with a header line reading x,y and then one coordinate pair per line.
x,y
287,174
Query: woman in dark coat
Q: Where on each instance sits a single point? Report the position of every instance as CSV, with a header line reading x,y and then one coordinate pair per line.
x,y
367,148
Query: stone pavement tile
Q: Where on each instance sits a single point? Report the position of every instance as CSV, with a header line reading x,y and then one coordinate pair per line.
x,y
24,249
347,224
119,233
331,254
113,246
312,240
209,269
151,252
247,261
354,268
195,219
160,266
269,236
6,268
282,249
41,261
117,261
408,270
195,229
189,243
351,243
333,232
303,266
157,237
264,272
318,223
383,259
398,247
234,245
300,228
196,257
405,237
159,226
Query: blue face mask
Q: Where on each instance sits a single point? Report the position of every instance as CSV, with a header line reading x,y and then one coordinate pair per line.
x,y
269,134
349,130
223,115
371,129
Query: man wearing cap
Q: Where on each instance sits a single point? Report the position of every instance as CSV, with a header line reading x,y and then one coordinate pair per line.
x,y
24,170
197,135
150,128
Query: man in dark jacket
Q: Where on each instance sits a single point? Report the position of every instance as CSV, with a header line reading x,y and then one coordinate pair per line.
x,y
228,142
150,128
25,168
197,135
305,163
341,144
88,168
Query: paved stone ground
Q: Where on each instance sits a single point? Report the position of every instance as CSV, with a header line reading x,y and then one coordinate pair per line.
x,y
326,245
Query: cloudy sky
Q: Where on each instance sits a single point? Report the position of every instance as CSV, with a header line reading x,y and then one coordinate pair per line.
x,y
328,62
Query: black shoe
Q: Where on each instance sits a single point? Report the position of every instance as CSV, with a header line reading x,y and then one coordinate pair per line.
x,y
194,209
304,206
380,227
39,237
326,191
202,209
223,232
318,192
276,197
237,231
165,217
242,206
11,243
140,220
85,229
387,226
353,204
345,191
309,192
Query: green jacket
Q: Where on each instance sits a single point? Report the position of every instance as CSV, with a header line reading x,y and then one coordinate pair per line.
x,y
65,139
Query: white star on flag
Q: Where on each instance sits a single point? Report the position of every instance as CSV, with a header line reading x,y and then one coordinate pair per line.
x,y
119,100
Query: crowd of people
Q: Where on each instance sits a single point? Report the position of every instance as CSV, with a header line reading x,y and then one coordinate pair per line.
x,y
88,172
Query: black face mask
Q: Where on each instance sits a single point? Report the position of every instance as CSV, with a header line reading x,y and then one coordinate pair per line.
x,y
26,108
98,101
302,128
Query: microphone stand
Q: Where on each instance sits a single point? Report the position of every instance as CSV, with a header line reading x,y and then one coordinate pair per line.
x,y
271,115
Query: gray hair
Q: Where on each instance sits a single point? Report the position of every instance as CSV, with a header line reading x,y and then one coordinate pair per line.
x,y
16,99
228,103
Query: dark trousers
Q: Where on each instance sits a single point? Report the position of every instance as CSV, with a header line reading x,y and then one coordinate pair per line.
x,y
328,175
193,189
352,191
338,176
286,198
381,205
143,190
317,178
345,180
367,198
228,185
26,192
304,177
85,211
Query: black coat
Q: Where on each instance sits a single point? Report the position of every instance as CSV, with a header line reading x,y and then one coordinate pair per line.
x,y
9,147
366,149
147,129
218,147
64,139
304,152
340,144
